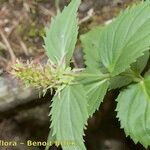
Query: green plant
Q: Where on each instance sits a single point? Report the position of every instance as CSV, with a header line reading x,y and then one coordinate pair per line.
x,y
115,56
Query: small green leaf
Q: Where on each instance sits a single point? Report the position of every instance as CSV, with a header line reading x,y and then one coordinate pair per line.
x,y
137,67
126,38
134,111
141,62
119,81
69,115
96,92
96,86
61,36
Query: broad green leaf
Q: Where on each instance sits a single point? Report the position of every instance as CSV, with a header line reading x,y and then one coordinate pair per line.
x,y
137,67
134,111
96,86
51,138
141,62
126,38
95,93
61,36
90,49
119,81
91,46
69,115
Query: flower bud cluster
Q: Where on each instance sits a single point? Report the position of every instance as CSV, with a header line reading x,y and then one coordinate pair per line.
x,y
46,76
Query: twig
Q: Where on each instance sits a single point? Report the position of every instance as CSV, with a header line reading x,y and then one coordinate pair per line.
x,y
46,11
57,5
89,15
12,55
24,47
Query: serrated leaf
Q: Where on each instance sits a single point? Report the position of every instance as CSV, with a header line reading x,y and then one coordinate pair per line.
x,y
119,81
141,62
126,39
51,138
137,67
61,36
96,92
134,111
91,46
96,86
69,115
90,49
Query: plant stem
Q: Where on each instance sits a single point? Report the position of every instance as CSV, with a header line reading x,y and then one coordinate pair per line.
x,y
57,5
134,75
